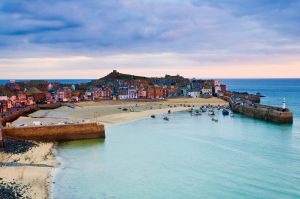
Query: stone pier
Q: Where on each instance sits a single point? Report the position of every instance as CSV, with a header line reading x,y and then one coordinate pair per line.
x,y
56,133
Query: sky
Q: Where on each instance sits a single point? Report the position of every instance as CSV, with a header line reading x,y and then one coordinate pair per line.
x,y
75,39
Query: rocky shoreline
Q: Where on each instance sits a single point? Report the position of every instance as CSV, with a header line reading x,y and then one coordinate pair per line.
x,y
12,189
25,169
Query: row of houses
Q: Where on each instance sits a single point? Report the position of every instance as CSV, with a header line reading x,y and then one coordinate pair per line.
x,y
128,92
22,94
200,88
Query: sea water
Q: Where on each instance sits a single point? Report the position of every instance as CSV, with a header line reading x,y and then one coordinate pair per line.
x,y
188,157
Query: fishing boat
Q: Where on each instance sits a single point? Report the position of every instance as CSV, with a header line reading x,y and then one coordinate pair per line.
x,y
214,119
190,110
225,112
211,112
197,112
166,118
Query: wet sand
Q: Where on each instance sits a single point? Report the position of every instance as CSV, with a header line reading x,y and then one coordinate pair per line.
x,y
34,167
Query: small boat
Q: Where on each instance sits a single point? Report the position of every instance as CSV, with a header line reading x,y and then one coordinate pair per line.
x,y
214,119
166,118
225,112
197,112
211,112
152,116
190,110
204,110
169,111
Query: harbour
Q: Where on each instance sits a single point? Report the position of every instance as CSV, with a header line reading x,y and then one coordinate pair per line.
x,y
209,117
183,153
139,99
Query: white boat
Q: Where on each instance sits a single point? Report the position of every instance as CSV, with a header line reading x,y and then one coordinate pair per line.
x,y
190,110
196,112
214,119
211,112
37,123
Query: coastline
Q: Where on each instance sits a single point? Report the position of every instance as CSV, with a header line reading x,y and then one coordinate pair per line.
x,y
39,178
31,169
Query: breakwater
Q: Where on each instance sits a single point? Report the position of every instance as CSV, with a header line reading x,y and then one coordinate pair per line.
x,y
56,132
12,116
50,106
15,114
259,111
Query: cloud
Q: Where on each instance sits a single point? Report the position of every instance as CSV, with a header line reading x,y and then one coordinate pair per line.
x,y
209,31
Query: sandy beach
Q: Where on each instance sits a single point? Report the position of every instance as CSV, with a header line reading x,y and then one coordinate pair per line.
x,y
33,168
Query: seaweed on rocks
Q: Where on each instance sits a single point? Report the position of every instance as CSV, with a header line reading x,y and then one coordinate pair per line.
x,y
12,190
17,146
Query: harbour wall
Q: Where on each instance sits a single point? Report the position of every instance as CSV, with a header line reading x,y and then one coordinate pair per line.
x,y
17,113
25,111
262,112
57,133
50,106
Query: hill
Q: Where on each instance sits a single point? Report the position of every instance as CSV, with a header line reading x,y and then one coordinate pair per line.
x,y
121,76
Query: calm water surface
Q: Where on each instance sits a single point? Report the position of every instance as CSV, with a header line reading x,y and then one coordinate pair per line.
x,y
187,157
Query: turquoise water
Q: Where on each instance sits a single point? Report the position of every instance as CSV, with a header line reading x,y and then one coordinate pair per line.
x,y
186,157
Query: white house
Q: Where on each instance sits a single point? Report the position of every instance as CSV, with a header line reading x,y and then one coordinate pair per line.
x,y
217,86
207,91
195,94
132,93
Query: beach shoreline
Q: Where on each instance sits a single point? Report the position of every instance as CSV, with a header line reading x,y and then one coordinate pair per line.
x,y
40,178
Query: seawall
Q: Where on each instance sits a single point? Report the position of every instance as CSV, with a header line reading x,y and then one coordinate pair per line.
x,y
25,111
58,133
265,113
262,112
17,113
50,106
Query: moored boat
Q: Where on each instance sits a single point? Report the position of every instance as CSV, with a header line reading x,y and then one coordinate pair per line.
x,y
211,112
190,110
225,112
197,112
214,119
